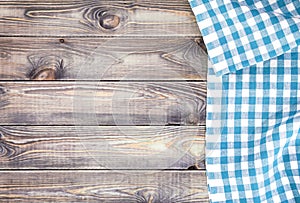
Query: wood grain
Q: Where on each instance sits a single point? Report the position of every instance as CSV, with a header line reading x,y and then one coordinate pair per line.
x,y
100,147
97,18
104,186
103,103
52,133
102,59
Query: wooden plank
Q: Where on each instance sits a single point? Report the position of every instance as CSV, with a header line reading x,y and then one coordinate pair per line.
x,y
102,59
101,147
96,18
103,186
102,103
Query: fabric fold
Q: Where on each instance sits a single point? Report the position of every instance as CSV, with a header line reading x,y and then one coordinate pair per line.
x,y
239,34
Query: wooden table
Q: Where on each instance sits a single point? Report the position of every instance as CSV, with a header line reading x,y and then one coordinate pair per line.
x,y
101,101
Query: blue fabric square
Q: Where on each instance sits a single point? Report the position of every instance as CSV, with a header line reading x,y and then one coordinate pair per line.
x,y
217,26
248,30
280,34
261,26
223,9
258,58
251,143
223,40
238,173
235,35
224,160
254,13
241,50
274,20
251,157
225,175
253,45
294,28
229,22
267,40
237,145
237,159
228,54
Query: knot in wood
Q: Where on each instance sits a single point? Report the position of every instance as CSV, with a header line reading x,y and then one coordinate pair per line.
x,y
201,44
193,119
2,90
46,68
6,150
4,55
46,74
109,21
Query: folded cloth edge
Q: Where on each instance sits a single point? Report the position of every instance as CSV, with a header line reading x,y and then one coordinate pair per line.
x,y
254,36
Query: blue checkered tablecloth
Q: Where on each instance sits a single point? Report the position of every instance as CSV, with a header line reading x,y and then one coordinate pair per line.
x,y
253,104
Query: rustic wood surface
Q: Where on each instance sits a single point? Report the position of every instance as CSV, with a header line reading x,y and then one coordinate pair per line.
x,y
100,147
103,103
87,86
96,18
173,58
103,186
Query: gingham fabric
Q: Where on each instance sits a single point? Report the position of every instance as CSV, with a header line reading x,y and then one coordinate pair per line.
x,y
241,33
253,101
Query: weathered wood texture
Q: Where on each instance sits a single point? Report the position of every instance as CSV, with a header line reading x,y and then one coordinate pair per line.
x,y
144,51
100,147
102,59
103,103
96,18
104,186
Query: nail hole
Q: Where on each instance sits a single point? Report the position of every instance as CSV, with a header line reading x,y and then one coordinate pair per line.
x,y
61,40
